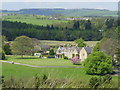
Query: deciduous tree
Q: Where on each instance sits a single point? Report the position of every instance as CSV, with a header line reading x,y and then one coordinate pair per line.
x,y
80,42
22,45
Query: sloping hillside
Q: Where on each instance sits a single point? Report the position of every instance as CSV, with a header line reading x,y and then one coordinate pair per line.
x,y
65,12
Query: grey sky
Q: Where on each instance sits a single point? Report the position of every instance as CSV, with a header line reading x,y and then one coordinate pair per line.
x,y
60,0
68,5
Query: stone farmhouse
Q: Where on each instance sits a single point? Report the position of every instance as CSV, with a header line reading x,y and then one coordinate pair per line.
x,y
72,51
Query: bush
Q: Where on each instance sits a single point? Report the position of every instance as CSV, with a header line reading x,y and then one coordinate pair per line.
x,y
51,52
1,80
98,63
7,49
96,48
117,59
75,60
65,57
3,55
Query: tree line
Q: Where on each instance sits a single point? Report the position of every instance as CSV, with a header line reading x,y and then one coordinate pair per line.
x,y
88,30
49,32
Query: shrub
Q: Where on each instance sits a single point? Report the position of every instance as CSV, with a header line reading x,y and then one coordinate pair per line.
x,y
98,63
51,52
96,48
117,59
75,60
2,53
7,49
1,80
65,57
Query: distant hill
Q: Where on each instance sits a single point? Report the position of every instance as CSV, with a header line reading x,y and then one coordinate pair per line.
x,y
65,12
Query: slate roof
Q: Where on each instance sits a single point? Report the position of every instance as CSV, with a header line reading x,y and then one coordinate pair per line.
x,y
78,49
88,49
69,48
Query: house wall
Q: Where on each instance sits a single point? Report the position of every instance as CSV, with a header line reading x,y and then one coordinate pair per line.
x,y
68,54
83,54
75,52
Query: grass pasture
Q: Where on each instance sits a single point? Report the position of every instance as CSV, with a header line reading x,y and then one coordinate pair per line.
x,y
30,19
58,43
32,60
27,72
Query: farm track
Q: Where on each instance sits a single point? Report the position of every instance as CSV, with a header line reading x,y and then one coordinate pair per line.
x,y
40,66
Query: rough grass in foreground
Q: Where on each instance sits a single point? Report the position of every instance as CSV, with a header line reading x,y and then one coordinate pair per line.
x,y
27,73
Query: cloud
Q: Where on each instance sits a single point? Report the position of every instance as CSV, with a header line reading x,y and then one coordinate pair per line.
x,y
68,5
60,1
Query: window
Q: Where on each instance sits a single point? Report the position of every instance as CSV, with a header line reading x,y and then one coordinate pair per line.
x,y
83,54
59,51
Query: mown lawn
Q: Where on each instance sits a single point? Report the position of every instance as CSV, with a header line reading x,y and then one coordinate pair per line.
x,y
25,72
32,60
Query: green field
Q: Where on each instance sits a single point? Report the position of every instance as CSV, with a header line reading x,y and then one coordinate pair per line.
x,y
32,60
27,72
30,19
58,43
